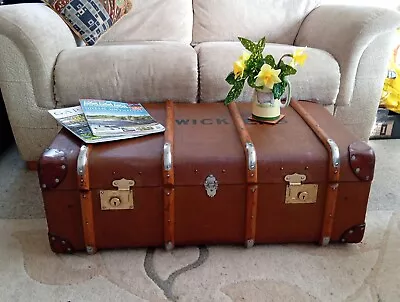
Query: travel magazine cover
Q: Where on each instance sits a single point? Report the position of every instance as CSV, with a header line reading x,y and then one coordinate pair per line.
x,y
73,119
108,118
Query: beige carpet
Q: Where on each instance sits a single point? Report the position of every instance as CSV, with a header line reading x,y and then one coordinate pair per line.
x,y
365,272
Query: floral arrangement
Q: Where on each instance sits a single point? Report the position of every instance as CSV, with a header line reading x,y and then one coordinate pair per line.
x,y
261,72
391,90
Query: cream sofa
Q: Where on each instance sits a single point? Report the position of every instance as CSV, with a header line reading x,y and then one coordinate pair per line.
x,y
183,50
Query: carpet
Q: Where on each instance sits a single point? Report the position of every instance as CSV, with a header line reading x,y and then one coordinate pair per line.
x,y
363,272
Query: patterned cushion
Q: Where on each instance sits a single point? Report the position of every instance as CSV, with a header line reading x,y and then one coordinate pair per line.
x,y
89,19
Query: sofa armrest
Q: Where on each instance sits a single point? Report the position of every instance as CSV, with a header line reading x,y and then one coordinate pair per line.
x,y
346,32
40,35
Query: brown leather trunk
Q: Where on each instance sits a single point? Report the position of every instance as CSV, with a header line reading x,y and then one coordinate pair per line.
x,y
213,177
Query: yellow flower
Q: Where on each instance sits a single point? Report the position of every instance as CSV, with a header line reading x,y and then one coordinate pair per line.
x,y
268,76
299,57
245,56
240,65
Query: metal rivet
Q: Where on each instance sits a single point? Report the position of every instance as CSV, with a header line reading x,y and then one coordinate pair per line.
x,y
252,216
306,168
101,192
281,168
353,157
358,170
140,173
351,232
81,179
53,238
69,249
336,171
57,180
80,171
44,186
168,193
195,170
168,175
252,174
62,158
343,240
223,170
63,242
253,190
169,220
63,167
87,223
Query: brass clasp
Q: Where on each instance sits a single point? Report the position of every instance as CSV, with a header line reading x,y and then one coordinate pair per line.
x,y
297,192
121,199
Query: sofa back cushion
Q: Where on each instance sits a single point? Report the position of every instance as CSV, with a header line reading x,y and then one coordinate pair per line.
x,y
154,20
225,20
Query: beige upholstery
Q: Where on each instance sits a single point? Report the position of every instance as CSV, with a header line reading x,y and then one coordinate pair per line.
x,y
154,20
27,57
345,32
311,81
152,71
225,20
149,56
360,115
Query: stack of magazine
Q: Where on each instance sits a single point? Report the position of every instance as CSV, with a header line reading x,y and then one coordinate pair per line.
x,y
96,121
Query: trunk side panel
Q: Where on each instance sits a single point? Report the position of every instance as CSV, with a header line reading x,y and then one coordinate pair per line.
x,y
200,219
278,222
63,214
142,226
351,207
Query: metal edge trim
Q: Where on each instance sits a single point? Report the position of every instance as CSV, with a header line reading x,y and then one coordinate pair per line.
x,y
167,157
325,241
251,156
335,153
249,243
82,160
169,246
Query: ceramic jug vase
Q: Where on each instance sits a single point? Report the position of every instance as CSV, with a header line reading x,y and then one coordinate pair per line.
x,y
266,107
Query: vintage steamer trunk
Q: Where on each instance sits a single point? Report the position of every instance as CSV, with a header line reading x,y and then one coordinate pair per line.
x,y
212,178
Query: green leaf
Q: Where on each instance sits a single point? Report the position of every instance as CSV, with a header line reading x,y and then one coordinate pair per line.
x,y
286,70
254,64
249,45
269,59
231,78
251,81
261,45
235,91
279,89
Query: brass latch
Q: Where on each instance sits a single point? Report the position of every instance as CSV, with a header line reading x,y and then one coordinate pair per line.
x,y
297,192
121,199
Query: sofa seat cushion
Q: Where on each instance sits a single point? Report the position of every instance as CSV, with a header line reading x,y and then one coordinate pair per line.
x,y
225,20
152,71
317,79
153,20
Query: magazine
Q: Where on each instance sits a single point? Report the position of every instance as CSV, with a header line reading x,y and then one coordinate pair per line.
x,y
109,118
74,120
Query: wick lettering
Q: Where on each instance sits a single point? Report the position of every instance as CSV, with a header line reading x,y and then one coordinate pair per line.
x,y
204,121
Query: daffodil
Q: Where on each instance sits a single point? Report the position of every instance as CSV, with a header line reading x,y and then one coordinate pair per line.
x,y
299,57
268,76
240,65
